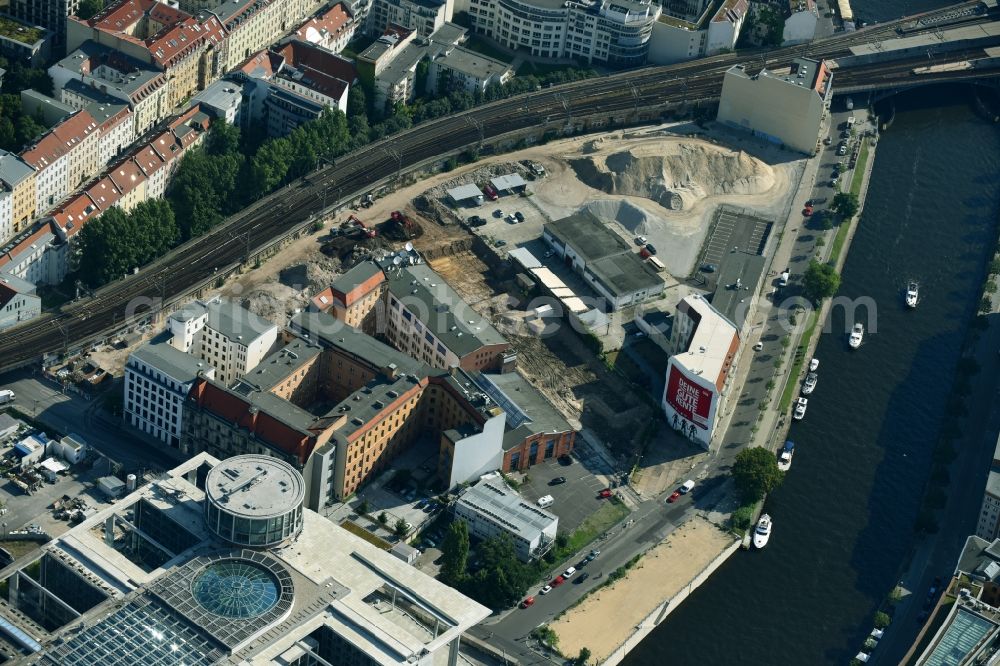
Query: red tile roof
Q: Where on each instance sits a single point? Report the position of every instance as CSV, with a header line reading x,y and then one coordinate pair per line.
x,y
148,160
262,64
333,22
127,176
104,193
60,140
72,215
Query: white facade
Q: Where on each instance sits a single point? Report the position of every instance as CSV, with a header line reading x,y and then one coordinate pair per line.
x,y
492,508
224,335
50,183
617,32
705,351
786,109
115,137
423,17
43,260
478,453
6,213
675,41
724,28
71,448
18,302
157,380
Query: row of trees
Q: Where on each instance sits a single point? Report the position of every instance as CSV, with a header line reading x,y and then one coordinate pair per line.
x,y
502,579
234,169
117,242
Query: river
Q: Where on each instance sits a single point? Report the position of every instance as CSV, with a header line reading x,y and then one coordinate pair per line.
x,y
844,516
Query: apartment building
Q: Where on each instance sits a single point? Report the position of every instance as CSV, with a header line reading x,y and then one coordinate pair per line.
x,y
116,129
341,406
174,42
6,212
331,29
41,258
96,74
800,26
783,108
158,379
18,301
615,32
389,65
252,26
28,43
988,526
491,508
223,334
63,158
716,29
354,298
19,178
424,17
464,70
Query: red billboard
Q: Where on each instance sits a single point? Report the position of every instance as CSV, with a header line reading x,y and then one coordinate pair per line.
x,y
691,401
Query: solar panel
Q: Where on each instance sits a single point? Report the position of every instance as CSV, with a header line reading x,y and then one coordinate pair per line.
x,y
515,415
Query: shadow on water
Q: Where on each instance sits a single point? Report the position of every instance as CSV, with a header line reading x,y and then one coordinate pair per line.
x,y
844,516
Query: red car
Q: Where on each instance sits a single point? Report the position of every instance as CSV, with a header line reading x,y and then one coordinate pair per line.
x,y
605,494
557,581
674,497
527,602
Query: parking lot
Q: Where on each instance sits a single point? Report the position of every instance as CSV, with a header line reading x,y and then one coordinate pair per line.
x,y
500,228
734,229
574,500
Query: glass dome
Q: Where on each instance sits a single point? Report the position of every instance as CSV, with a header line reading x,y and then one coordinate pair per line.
x,y
236,589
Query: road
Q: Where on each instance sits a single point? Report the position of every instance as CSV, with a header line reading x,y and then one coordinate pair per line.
x,y
617,98
45,401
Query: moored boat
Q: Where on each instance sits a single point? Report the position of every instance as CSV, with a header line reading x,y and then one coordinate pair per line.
x,y
857,335
800,408
813,364
810,384
785,456
762,532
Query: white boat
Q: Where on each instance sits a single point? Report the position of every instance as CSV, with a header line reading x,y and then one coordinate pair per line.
x,y
785,456
813,364
800,408
762,532
912,294
810,384
857,334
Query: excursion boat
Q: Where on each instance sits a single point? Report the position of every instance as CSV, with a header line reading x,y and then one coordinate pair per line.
x,y
912,294
762,532
813,364
810,384
785,456
857,334
800,408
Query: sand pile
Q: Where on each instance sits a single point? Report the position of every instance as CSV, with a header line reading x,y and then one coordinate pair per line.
x,y
636,220
677,176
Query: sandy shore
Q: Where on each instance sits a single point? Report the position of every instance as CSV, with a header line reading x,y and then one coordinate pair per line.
x,y
609,616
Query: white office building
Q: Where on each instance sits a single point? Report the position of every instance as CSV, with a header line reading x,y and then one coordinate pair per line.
x,y
491,507
615,32
157,381
222,334
784,108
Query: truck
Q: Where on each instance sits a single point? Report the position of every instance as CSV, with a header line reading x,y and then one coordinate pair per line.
x,y
490,192
6,395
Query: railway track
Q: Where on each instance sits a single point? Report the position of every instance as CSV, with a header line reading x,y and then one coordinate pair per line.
x,y
197,261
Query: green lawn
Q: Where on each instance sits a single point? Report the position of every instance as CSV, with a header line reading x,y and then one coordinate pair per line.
x,y
856,179
19,31
480,45
539,69
359,531
786,396
609,515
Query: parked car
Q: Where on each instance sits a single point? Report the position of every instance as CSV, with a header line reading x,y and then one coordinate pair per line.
x,y
827,141
640,240
569,573
528,601
582,577
842,150
548,254
498,213
499,243
594,553
519,216
709,268
421,504
650,248
758,346
676,495
545,590
557,481
557,581
604,494
686,487
565,459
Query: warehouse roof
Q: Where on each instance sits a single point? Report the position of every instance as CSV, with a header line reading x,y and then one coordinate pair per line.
x,y
464,192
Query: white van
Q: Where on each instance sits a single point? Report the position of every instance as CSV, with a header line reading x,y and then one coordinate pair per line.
x,y
545,502
6,396
686,487
784,277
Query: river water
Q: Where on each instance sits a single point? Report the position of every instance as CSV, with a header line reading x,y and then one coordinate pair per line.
x,y
844,515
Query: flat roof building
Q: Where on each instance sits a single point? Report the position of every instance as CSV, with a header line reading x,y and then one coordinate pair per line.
x,y
705,349
606,262
148,581
466,195
491,507
783,108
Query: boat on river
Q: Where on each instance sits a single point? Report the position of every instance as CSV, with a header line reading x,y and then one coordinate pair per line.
x,y
813,364
912,294
857,335
800,408
762,532
810,384
785,456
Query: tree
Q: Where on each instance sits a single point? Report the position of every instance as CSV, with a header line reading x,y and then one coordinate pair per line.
x,y
116,242
756,473
845,205
364,507
503,578
383,518
88,8
401,528
455,553
882,620
583,657
820,281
